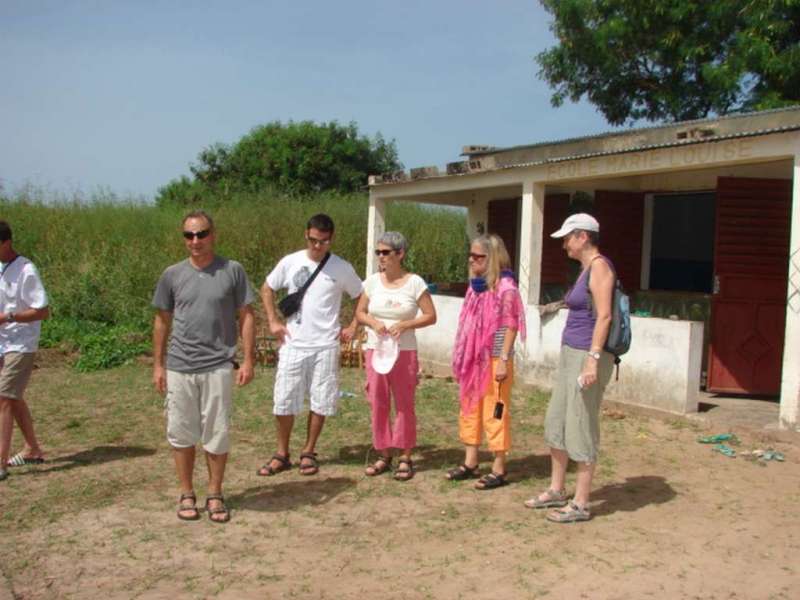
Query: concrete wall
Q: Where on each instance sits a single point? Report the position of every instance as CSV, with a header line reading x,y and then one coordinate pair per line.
x,y
661,371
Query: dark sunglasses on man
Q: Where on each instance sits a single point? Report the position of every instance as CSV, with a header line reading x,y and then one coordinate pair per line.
x,y
200,235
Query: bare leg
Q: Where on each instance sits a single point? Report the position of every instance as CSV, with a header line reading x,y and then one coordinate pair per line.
x,y
216,473
6,429
471,456
583,484
22,415
285,425
499,464
313,429
184,465
559,459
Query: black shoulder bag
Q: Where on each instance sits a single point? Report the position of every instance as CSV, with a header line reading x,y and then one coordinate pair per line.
x,y
292,303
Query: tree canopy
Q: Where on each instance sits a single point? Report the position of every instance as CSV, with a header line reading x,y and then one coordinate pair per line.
x,y
673,59
295,157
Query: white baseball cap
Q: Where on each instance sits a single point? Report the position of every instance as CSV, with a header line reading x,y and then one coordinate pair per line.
x,y
385,354
577,221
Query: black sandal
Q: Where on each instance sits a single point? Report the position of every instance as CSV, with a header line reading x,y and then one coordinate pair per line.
x,y
462,472
311,467
385,463
402,474
267,470
196,513
220,510
491,481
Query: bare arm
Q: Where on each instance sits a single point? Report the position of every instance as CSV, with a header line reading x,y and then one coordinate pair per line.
x,y
347,333
362,316
247,329
501,371
601,285
276,326
161,327
29,315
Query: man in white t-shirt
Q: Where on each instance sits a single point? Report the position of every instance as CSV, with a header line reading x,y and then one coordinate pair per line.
x,y
23,305
308,360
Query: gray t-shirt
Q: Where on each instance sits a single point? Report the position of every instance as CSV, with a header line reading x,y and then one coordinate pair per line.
x,y
203,303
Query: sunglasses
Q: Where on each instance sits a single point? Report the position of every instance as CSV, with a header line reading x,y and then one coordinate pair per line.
x,y
474,256
316,242
200,235
383,252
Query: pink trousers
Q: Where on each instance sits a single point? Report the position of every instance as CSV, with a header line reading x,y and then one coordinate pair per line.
x,y
400,383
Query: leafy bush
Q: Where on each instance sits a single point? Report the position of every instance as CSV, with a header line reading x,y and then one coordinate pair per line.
x,y
296,157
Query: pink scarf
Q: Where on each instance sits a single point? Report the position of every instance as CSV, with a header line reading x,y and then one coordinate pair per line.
x,y
482,314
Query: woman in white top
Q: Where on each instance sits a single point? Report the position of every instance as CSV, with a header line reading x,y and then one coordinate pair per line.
x,y
394,303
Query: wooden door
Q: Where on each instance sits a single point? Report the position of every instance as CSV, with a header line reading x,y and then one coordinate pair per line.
x,y
748,308
503,221
621,218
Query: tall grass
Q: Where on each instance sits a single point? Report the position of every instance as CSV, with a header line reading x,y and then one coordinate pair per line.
x,y
100,260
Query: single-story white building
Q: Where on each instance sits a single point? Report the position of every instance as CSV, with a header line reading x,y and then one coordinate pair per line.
x,y
701,219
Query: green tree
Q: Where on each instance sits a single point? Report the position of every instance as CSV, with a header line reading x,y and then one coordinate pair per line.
x,y
295,157
673,59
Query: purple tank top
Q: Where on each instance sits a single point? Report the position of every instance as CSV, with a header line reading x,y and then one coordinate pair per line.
x,y
580,320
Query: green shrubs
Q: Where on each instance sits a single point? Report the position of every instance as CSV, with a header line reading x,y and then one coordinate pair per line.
x,y
100,260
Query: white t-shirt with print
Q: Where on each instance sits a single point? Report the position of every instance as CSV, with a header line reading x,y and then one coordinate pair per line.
x,y
391,305
316,324
21,288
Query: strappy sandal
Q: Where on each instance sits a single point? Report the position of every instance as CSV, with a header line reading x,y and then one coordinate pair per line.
x,y
462,472
572,513
20,460
491,481
181,508
401,474
312,466
267,470
380,466
553,498
219,510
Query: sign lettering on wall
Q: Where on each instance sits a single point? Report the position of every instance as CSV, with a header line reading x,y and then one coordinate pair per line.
x,y
663,158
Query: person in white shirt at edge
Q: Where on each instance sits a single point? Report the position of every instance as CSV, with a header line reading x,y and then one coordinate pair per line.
x,y
394,303
308,359
23,305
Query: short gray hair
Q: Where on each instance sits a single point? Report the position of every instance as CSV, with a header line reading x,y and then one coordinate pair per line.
x,y
395,240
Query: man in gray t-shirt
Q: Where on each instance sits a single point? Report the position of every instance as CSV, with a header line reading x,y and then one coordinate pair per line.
x,y
199,300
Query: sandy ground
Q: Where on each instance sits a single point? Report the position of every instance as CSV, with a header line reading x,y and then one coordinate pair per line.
x,y
672,519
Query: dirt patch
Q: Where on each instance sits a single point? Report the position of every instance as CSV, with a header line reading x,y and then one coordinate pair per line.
x,y
672,518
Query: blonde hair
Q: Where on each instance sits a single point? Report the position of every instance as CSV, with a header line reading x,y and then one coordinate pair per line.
x,y
497,257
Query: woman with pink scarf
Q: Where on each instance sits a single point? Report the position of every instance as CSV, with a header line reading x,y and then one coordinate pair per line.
x,y
483,365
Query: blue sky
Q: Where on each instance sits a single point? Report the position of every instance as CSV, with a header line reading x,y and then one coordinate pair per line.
x,y
124,95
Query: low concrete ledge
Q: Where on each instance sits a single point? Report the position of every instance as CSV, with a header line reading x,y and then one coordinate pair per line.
x,y
661,371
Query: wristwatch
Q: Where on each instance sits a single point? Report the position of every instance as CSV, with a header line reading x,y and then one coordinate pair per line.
x,y
10,317
594,355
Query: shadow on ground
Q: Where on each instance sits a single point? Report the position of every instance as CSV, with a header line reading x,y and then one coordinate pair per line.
x,y
290,494
631,495
95,456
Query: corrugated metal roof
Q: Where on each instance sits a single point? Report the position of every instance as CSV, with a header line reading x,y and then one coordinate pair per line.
x,y
639,130
708,140
698,131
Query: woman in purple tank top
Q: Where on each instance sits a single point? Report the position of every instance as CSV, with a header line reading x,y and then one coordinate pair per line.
x,y
584,369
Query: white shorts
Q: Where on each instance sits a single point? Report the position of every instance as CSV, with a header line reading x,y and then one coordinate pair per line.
x,y
300,372
199,409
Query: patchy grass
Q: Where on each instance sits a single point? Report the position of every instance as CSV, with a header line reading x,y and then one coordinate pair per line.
x,y
98,519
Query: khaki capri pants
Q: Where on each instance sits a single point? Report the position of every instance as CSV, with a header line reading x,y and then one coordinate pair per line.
x,y
573,414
